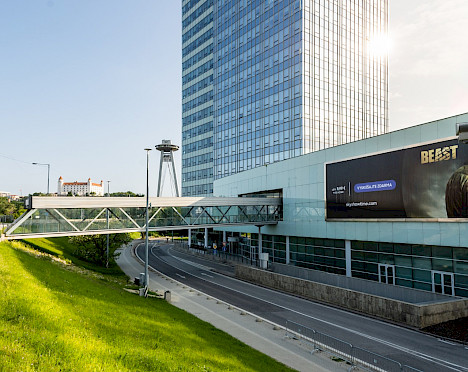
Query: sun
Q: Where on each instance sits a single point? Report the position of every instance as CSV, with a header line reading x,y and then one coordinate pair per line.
x,y
378,45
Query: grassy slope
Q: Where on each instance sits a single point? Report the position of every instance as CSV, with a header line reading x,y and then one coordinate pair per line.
x,y
55,318
62,248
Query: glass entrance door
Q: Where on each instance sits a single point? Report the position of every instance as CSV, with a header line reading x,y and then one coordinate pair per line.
x,y
387,274
253,253
442,282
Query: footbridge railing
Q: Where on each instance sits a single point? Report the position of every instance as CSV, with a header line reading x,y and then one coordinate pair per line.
x,y
66,216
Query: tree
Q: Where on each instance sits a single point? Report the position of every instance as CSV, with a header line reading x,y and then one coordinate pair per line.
x,y
92,248
124,193
13,208
6,207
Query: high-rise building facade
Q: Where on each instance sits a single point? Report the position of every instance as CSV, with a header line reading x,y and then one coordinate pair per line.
x,y
197,97
292,77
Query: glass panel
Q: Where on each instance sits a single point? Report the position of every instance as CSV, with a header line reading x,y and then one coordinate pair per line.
x,y
404,276
402,248
437,283
386,247
421,250
460,254
442,264
386,259
422,279
448,279
461,285
445,252
422,263
461,267
370,246
390,275
382,274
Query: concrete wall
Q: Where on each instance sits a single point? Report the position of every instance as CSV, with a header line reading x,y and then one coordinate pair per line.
x,y
416,315
371,287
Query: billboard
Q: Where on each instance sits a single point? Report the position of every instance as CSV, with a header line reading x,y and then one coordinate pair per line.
x,y
426,181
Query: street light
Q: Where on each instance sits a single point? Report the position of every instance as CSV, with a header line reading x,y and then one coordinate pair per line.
x,y
48,174
107,218
147,203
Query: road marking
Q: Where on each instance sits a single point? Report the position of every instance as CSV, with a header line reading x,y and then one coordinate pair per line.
x,y
430,358
209,276
446,342
194,264
180,276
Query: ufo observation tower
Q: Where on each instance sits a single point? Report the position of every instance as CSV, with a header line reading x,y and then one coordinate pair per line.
x,y
167,149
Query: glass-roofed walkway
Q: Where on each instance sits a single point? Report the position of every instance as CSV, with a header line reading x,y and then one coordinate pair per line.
x,y
67,216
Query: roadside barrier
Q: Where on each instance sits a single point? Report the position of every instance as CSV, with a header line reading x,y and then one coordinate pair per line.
x,y
220,255
352,355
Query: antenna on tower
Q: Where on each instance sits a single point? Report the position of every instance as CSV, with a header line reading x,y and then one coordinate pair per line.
x,y
167,149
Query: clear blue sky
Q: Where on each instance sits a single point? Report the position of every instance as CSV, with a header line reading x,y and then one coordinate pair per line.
x,y
86,85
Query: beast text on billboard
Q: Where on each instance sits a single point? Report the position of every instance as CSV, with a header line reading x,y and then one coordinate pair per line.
x,y
427,181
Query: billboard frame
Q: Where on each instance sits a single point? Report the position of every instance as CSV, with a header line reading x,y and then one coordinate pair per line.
x,y
394,219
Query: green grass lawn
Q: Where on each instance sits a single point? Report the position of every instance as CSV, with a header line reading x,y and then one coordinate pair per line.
x,y
62,248
54,317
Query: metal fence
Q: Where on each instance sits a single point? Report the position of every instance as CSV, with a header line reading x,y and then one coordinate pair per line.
x,y
220,255
354,356
6,218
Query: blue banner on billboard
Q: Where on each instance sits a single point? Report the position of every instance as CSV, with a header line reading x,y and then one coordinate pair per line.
x,y
427,181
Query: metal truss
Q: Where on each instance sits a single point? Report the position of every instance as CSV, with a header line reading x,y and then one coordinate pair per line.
x,y
67,216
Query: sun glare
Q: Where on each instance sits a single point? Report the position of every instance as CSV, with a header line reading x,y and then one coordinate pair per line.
x,y
379,45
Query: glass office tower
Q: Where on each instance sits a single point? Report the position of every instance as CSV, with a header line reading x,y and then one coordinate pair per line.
x,y
294,76
197,97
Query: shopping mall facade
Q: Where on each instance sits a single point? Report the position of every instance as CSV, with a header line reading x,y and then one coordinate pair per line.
x,y
375,209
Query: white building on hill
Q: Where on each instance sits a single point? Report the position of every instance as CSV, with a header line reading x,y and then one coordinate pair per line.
x,y
80,188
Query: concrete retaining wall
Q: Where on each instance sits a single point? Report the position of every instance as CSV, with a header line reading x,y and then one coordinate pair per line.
x,y
416,315
395,292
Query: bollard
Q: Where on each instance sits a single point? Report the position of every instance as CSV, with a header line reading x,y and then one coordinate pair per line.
x,y
167,296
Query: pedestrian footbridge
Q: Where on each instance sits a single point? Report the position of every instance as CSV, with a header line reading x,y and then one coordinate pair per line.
x,y
67,216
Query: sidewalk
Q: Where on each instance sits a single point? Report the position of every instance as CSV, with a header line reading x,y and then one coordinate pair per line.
x,y
253,331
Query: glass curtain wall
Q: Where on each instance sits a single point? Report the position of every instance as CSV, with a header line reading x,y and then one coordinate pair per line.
x,y
296,76
197,97
431,268
411,265
257,83
345,71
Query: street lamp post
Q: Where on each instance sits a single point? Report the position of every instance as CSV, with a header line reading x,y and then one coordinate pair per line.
x,y
48,174
107,218
147,204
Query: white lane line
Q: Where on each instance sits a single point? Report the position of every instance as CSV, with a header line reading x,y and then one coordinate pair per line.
x,y
199,257
200,266
209,276
180,276
446,342
430,358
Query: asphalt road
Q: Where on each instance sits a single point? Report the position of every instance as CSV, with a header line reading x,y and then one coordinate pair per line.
x,y
407,346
